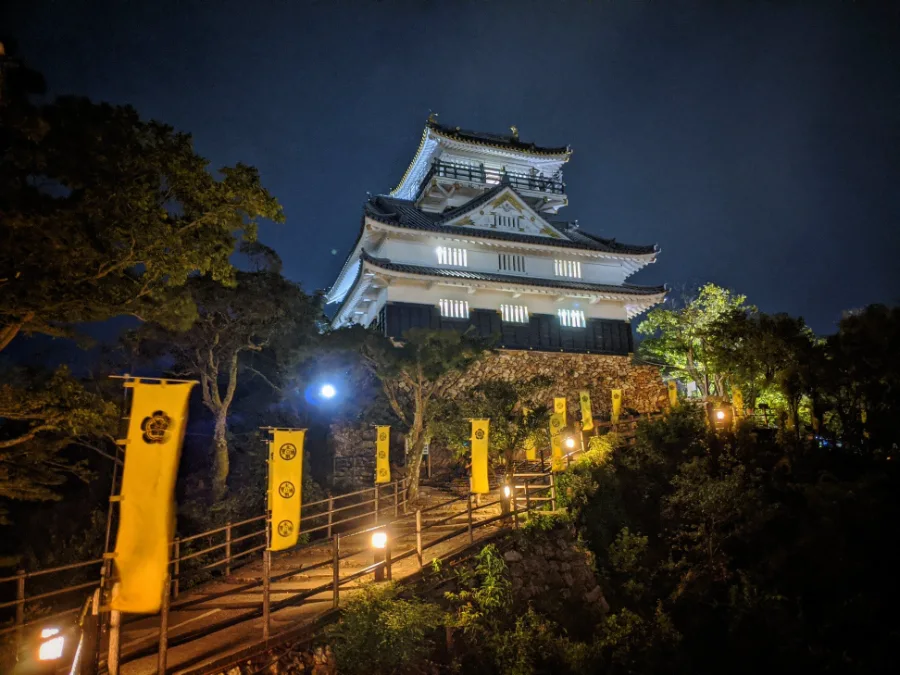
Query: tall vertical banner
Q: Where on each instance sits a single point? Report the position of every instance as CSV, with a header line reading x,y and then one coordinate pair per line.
x,y
147,497
557,423
737,402
285,486
480,484
530,445
616,406
382,454
673,393
559,408
587,417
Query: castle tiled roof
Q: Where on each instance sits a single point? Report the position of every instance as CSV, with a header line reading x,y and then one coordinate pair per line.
x,y
495,140
403,213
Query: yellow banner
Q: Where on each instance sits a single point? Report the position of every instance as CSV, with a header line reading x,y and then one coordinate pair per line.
x,y
382,454
285,486
616,405
557,461
559,407
587,417
480,483
737,401
147,509
673,393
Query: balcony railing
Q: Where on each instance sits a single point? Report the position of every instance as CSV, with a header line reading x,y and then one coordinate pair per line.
x,y
488,176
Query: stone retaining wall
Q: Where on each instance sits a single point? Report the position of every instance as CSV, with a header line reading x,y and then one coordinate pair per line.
x,y
643,391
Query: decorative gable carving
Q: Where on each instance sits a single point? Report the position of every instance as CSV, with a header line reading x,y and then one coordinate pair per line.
x,y
507,213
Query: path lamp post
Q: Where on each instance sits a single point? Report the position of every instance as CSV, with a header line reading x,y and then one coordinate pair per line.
x,y
381,548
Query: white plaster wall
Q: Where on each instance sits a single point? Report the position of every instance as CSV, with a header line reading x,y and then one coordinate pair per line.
x,y
483,258
416,292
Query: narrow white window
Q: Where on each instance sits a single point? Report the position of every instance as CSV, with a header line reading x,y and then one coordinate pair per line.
x,y
567,268
571,318
454,309
452,257
514,313
511,263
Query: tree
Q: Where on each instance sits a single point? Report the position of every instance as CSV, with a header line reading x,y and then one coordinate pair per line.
x,y
263,311
416,373
505,403
680,337
105,214
57,411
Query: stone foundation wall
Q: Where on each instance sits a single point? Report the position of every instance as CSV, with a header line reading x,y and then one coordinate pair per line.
x,y
643,391
642,387
554,573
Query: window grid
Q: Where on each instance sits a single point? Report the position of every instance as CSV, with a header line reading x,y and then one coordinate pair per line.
x,y
454,309
571,318
514,313
512,263
455,257
567,268
507,222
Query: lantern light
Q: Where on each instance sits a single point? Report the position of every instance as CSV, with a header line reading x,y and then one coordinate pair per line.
x,y
379,539
720,414
570,443
506,491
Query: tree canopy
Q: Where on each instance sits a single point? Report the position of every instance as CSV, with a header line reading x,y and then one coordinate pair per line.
x,y
105,214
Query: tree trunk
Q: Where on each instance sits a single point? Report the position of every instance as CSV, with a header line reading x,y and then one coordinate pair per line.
x,y
220,457
7,333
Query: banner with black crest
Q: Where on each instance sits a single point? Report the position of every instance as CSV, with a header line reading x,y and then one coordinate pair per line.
x,y
285,486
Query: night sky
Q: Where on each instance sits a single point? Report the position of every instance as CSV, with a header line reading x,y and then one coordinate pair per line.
x,y
758,143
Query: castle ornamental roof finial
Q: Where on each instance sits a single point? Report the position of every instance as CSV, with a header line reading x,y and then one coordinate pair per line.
x,y
515,131
432,117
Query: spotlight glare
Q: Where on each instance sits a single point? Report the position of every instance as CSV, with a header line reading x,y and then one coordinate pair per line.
x,y
327,391
379,539
720,414
570,443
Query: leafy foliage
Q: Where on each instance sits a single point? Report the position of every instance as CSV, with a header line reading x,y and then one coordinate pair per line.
x,y
381,633
415,375
106,214
262,312
683,337
515,408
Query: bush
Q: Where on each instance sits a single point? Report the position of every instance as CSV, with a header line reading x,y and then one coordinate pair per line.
x,y
381,633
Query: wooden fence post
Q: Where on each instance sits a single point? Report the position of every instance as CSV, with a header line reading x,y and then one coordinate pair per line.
x,y
469,513
387,559
512,505
377,490
228,549
396,499
115,627
330,513
552,492
20,609
419,538
177,565
267,563
164,628
527,499
336,570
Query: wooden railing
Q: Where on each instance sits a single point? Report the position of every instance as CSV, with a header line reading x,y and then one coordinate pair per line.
x,y
488,176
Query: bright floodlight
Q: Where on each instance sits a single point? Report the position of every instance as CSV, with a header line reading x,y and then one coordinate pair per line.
x,y
327,391
379,539
570,443
506,491
52,649
720,414
49,632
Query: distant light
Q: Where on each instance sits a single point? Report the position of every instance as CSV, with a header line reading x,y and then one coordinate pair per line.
x,y
52,649
327,391
379,539
506,491
570,443
720,414
49,632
